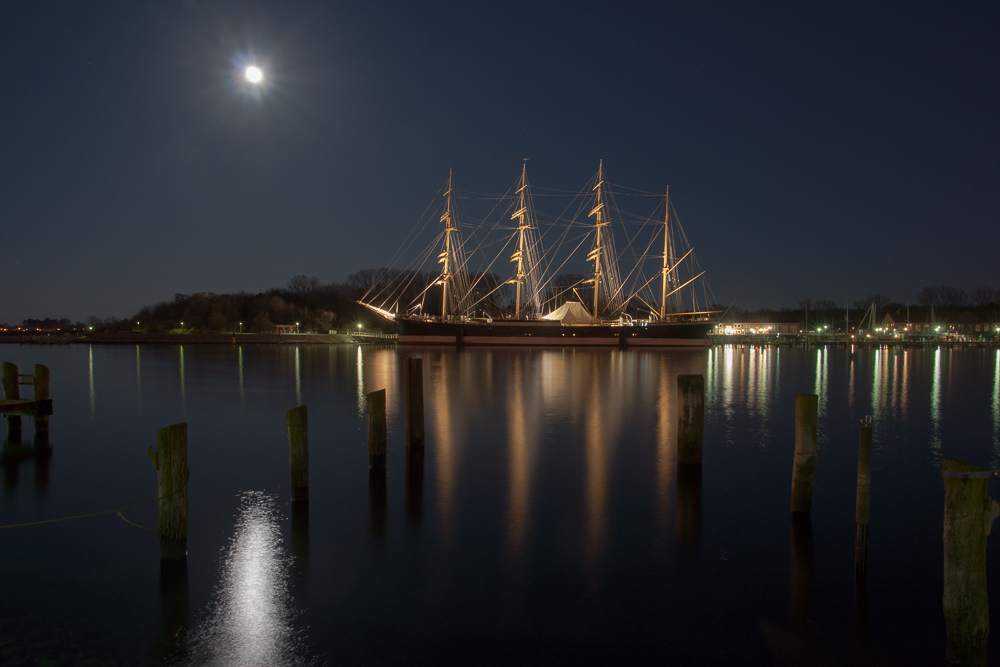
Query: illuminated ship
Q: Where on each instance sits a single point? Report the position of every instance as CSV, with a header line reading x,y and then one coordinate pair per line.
x,y
479,308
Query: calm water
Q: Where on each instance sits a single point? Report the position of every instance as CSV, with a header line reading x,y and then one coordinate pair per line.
x,y
548,526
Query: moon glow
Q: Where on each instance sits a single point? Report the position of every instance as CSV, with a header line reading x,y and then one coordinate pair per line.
x,y
253,74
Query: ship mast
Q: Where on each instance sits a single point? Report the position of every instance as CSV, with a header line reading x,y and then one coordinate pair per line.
x,y
522,216
666,258
595,254
445,257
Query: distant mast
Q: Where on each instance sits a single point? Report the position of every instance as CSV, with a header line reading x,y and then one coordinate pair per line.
x,y
522,226
595,254
445,256
666,258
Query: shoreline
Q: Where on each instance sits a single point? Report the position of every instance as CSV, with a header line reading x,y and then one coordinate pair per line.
x,y
182,339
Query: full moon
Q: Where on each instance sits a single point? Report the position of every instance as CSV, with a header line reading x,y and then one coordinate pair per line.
x,y
253,74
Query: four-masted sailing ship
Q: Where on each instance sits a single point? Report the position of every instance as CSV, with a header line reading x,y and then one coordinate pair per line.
x,y
477,308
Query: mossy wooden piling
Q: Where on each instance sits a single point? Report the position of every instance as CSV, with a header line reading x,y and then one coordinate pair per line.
x,y
862,509
413,380
170,461
297,420
375,402
11,391
804,465
690,418
968,519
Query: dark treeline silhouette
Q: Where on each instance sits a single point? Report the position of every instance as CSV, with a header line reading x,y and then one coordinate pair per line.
x,y
319,307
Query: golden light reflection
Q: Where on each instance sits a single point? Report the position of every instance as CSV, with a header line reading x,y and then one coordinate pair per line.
x,y
666,440
603,417
250,619
361,383
381,371
850,383
522,432
445,439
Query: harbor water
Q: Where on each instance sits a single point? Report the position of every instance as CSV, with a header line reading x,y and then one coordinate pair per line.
x,y
546,525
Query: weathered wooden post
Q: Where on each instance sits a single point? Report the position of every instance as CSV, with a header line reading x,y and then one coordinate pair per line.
x,y
413,379
11,391
170,461
690,418
376,428
864,495
804,467
297,420
40,385
968,520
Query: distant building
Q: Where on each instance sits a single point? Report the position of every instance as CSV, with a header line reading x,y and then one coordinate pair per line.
x,y
287,328
755,328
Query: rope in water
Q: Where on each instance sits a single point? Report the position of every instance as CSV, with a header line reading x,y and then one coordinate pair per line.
x,y
117,511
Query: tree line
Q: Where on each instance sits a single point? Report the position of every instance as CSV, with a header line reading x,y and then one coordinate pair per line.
x,y
319,307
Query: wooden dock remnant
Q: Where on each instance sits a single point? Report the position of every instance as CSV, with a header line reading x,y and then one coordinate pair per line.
x,y
40,387
690,418
376,428
170,461
297,420
862,508
11,392
413,380
804,466
968,519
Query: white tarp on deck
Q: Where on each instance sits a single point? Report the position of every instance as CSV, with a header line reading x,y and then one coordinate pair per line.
x,y
571,312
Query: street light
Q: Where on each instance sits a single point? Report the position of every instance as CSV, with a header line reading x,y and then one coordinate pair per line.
x,y
241,327
297,328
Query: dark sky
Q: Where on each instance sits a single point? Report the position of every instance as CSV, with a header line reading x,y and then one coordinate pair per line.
x,y
821,152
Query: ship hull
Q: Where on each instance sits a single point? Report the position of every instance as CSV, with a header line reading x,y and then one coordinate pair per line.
x,y
542,333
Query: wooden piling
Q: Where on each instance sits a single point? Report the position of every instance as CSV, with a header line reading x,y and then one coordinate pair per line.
x,y
690,418
804,466
40,386
170,461
413,379
376,428
297,420
11,391
864,498
968,520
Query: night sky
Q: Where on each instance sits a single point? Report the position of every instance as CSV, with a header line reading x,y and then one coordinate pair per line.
x,y
811,152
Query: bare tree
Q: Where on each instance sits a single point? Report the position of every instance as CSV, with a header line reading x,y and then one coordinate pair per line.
x,y
953,296
928,296
984,296
302,285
